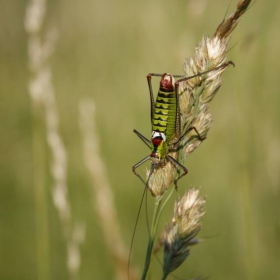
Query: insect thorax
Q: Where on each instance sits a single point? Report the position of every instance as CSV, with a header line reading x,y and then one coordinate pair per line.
x,y
159,146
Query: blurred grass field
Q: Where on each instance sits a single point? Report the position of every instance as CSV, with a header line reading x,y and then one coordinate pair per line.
x,y
104,51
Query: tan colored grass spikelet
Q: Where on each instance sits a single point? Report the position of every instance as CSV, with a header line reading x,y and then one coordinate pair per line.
x,y
209,56
227,26
203,123
196,93
180,234
161,178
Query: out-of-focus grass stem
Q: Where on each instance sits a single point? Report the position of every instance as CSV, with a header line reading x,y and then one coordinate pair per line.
x,y
103,197
34,17
40,191
245,186
46,120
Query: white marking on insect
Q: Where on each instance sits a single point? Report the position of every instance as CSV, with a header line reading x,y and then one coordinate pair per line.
x,y
158,134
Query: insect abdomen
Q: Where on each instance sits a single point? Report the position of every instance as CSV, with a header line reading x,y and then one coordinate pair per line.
x,y
164,118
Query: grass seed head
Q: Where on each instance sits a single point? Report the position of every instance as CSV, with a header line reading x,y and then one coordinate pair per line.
x,y
180,234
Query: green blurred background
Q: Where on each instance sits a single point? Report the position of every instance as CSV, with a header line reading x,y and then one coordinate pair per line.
x,y
104,51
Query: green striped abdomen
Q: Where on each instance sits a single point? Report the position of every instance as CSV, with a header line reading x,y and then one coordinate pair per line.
x,y
164,118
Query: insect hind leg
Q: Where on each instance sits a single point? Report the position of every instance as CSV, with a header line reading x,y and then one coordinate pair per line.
x,y
183,79
199,74
201,138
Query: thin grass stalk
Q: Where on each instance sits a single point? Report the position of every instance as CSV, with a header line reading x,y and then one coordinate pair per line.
x,y
158,209
151,237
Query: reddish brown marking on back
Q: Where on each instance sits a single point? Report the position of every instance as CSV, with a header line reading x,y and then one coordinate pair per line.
x,y
156,141
166,82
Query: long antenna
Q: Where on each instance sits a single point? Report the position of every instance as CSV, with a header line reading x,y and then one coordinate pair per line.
x,y
138,215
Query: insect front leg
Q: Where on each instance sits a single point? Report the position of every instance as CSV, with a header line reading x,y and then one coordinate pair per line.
x,y
134,167
177,164
143,138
